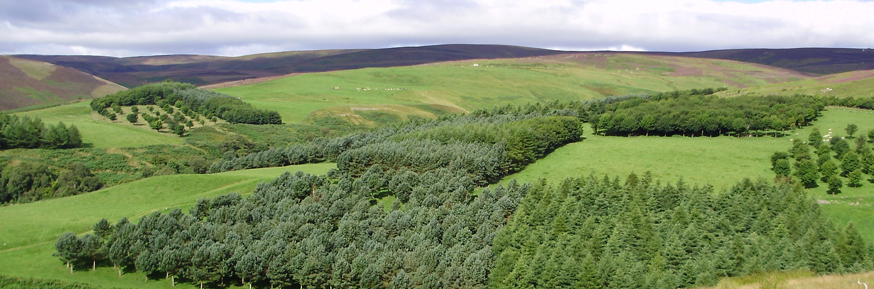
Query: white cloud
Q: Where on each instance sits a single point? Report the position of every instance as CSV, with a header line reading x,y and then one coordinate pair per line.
x,y
227,27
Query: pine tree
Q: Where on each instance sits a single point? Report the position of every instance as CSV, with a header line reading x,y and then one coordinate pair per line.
x,y
69,249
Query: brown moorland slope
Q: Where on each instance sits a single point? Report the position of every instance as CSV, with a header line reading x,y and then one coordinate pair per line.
x,y
204,70
26,83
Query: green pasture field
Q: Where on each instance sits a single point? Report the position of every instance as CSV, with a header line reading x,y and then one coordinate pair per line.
x,y
98,132
852,204
720,161
461,86
29,231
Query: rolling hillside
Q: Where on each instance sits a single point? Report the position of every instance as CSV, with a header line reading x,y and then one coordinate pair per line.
x,y
856,84
205,70
202,70
817,61
26,83
467,78
372,95
30,230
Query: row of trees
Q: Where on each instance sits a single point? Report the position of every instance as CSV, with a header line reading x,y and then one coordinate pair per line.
x,y
27,182
708,115
27,132
523,136
186,97
590,233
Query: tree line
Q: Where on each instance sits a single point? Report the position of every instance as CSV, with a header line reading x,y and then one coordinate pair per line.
x,y
186,97
29,133
29,182
591,233
523,136
707,115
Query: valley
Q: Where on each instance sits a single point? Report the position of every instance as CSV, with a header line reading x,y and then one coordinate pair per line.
x,y
358,129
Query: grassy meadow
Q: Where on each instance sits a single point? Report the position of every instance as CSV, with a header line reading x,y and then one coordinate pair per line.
x,y
852,204
30,230
474,84
797,280
98,131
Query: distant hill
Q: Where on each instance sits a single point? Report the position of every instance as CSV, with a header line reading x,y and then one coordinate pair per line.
x,y
203,70
857,84
817,61
26,83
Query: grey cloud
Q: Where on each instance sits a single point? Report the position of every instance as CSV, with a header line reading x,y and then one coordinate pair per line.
x,y
150,27
430,10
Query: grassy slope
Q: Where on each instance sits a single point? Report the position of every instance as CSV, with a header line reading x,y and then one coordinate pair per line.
x,y
848,84
101,133
30,230
797,280
853,204
463,86
720,161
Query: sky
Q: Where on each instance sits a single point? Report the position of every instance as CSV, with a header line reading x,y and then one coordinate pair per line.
x,y
241,27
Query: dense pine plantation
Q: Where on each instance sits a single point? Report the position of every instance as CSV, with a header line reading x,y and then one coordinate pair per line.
x,y
590,233
315,231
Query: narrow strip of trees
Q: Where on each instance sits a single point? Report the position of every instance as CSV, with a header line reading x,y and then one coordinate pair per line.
x,y
30,133
707,115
